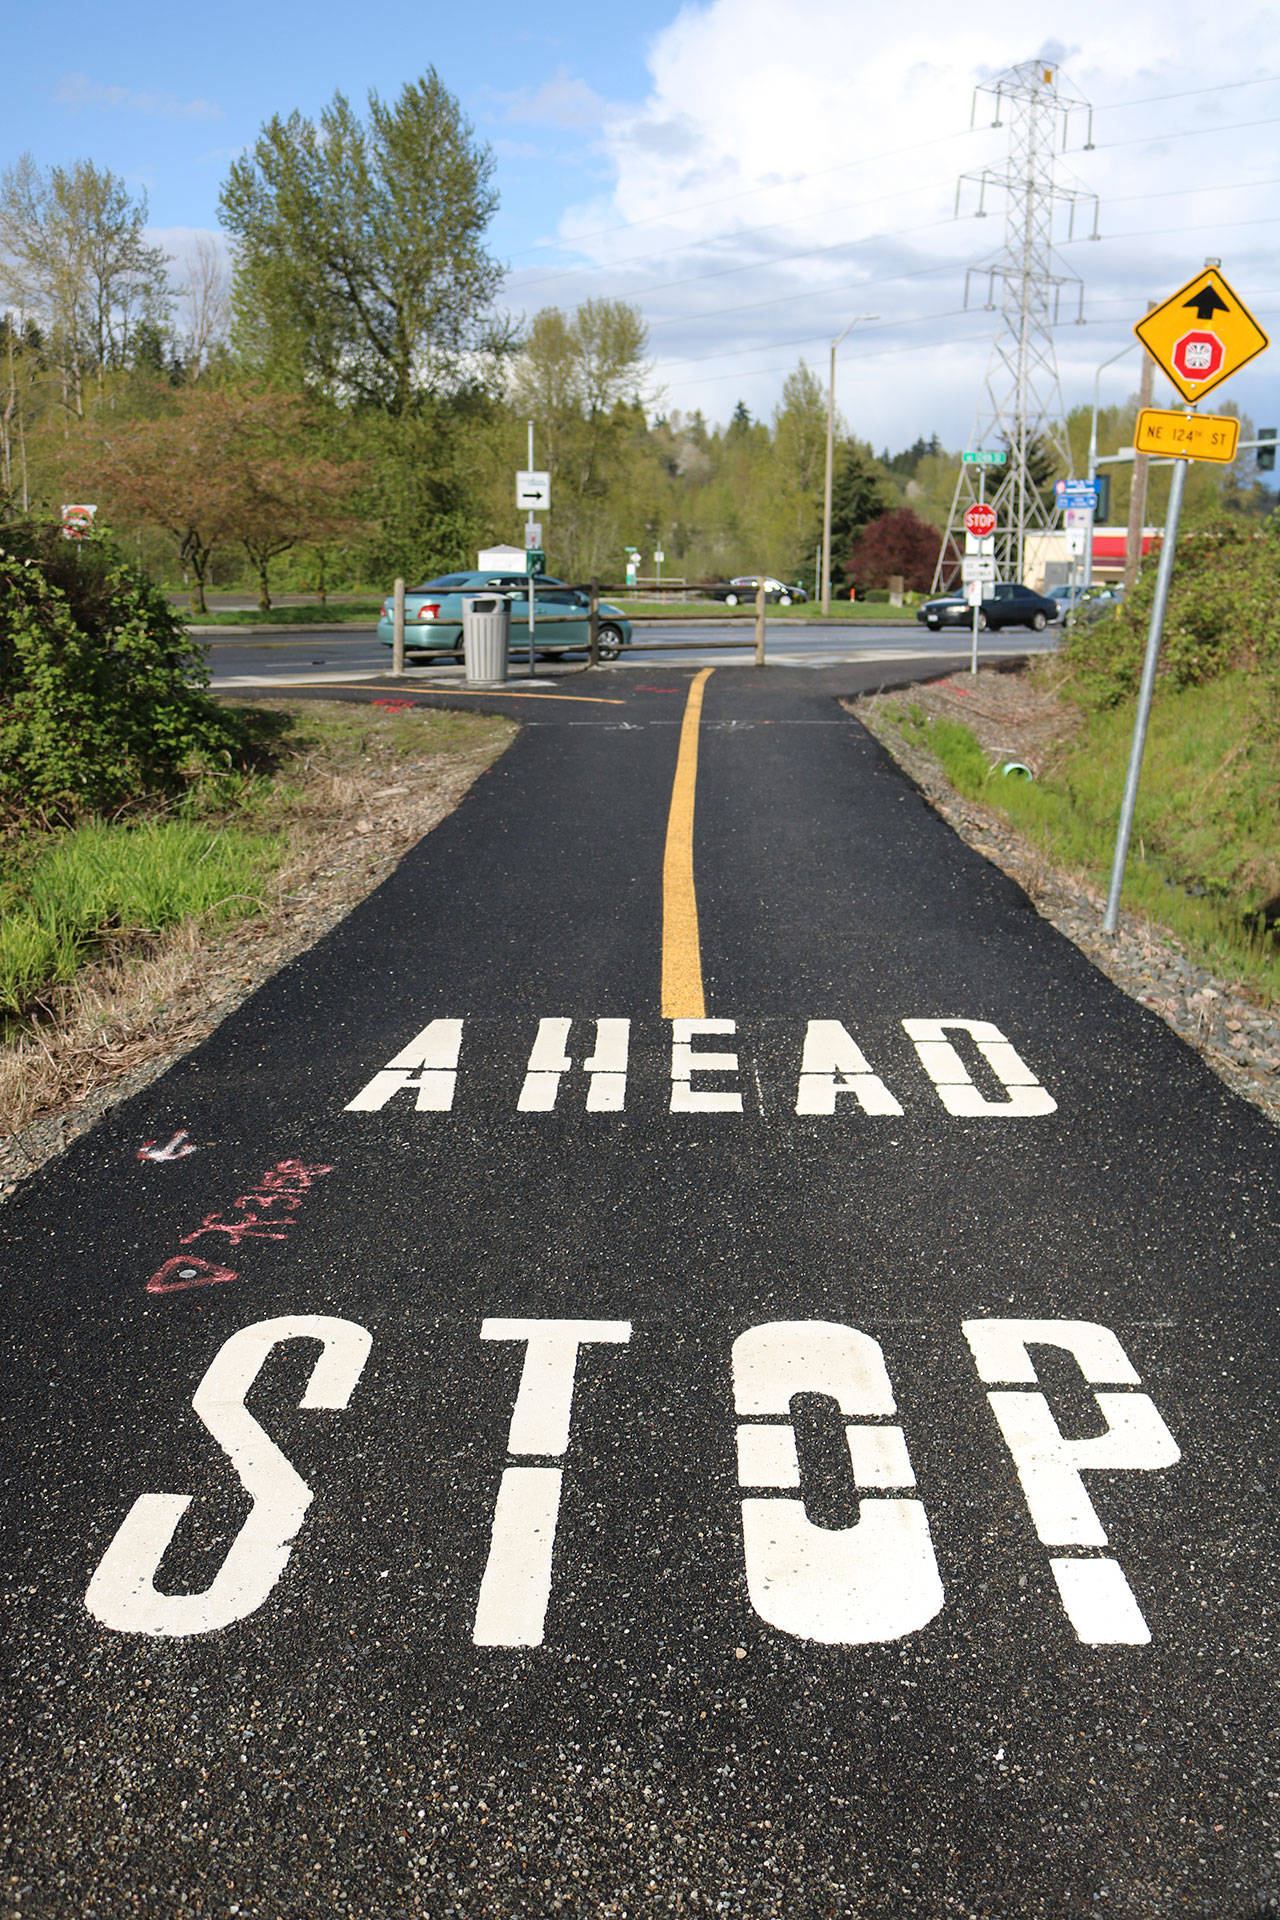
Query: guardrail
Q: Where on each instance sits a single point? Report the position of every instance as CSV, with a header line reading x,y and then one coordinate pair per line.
x,y
594,590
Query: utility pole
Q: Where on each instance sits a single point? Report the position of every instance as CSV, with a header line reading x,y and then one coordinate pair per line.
x,y
831,435
1020,406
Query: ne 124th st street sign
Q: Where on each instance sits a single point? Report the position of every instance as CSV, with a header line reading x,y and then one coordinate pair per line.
x,y
984,457
1187,436
1202,334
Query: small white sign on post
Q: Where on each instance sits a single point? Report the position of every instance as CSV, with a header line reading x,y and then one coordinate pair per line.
x,y
972,544
1075,539
77,521
1077,517
533,489
532,534
976,566
973,593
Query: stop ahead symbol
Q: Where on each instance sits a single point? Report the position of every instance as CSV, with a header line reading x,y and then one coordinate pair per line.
x,y
980,520
1198,355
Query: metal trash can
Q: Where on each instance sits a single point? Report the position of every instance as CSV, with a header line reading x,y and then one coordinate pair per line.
x,y
486,638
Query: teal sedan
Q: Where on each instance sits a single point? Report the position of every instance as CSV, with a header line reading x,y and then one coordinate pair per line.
x,y
433,616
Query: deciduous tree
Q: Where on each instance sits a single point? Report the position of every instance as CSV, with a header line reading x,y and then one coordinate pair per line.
x,y
581,377
896,543
73,255
361,267
221,465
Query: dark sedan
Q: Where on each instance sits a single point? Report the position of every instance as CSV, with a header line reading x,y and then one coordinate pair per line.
x,y
743,589
1008,605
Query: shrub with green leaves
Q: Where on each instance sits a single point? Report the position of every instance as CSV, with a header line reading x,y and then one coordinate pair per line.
x,y
102,697
1223,613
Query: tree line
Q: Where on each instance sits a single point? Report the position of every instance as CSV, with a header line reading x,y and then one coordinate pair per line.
x,y
345,403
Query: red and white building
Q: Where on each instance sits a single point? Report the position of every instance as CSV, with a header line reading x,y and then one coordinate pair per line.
x,y
1048,563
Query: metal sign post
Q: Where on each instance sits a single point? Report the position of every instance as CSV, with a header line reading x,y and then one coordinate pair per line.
x,y
533,489
1201,335
1129,804
980,515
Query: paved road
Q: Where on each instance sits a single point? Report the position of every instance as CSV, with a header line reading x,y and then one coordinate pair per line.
x,y
320,655
692,1356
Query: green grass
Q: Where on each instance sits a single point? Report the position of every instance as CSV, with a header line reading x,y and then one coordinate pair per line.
x,y
66,895
1205,855
312,615
60,902
843,610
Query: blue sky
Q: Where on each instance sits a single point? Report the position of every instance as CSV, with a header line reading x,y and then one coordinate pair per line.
x,y
167,95
751,179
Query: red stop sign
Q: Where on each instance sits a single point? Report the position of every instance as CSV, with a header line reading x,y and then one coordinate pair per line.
x,y
1198,355
980,521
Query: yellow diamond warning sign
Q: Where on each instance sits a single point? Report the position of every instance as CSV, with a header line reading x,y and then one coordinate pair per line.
x,y
1201,335
1187,436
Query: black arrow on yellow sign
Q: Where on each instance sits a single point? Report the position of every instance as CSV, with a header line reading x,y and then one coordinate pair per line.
x,y
1206,303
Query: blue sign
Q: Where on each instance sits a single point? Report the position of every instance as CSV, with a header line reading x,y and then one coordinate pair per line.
x,y
1076,493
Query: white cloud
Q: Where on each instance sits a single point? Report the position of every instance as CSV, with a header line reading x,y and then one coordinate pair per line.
x,y
76,90
561,101
841,139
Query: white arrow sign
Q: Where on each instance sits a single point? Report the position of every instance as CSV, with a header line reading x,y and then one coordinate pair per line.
x,y
533,489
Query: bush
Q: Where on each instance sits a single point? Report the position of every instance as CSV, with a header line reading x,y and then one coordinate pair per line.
x,y
102,697
1223,613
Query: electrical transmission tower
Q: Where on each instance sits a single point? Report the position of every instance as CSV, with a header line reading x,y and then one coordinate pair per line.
x,y
1020,410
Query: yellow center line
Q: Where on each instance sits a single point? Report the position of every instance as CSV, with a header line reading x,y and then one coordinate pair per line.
x,y
682,994
582,699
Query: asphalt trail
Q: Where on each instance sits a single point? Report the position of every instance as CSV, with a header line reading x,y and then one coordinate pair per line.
x,y
855,1660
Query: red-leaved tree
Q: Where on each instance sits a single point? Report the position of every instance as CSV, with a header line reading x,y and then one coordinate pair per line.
x,y
899,542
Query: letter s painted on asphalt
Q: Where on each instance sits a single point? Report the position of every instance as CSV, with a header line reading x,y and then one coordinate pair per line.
x,y
122,1593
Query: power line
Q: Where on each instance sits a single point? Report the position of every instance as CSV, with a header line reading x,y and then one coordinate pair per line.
x,y
741,233
843,166
808,292
738,233
886,353
747,193
1151,99
770,346
1175,133
1178,193
1158,233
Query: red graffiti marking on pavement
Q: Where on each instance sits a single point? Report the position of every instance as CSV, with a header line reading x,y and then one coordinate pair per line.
x,y
187,1270
266,1213
392,706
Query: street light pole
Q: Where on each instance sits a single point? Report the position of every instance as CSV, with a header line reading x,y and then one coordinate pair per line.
x,y
1093,445
831,429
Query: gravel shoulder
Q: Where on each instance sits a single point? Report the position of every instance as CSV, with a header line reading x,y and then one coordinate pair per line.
x,y
1013,718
